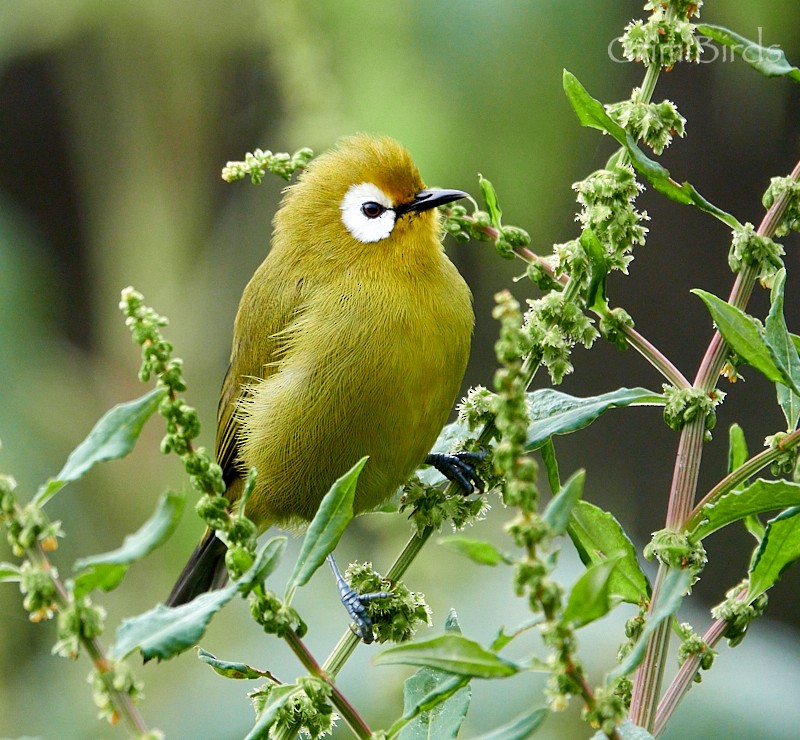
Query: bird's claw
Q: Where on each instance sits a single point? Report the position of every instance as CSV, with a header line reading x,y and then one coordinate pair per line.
x,y
459,467
356,604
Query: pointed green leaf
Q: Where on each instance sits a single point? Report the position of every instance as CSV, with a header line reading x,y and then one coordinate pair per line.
x,y
114,436
553,412
452,653
592,113
522,726
322,536
548,453
105,571
164,632
435,704
759,497
598,536
598,264
480,551
780,341
231,670
9,573
268,558
490,199
737,448
779,549
675,585
769,60
746,337
558,511
590,598
503,638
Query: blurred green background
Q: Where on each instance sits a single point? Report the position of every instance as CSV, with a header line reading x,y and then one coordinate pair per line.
x,y
115,120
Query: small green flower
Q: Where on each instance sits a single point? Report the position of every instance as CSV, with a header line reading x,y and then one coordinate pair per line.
x,y
676,550
396,617
750,248
654,123
737,613
791,217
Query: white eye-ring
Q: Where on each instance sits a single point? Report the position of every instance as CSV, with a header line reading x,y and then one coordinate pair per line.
x,y
367,212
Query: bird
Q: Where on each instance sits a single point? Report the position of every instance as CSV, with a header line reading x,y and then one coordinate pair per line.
x,y
351,339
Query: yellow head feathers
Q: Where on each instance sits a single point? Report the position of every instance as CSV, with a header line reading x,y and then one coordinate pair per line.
x,y
364,191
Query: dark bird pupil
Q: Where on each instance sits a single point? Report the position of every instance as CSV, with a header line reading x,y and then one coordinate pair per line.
x,y
372,210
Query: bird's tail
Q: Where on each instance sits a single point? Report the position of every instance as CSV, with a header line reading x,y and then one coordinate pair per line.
x,y
205,571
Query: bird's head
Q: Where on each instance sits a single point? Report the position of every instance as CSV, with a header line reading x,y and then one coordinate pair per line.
x,y
364,194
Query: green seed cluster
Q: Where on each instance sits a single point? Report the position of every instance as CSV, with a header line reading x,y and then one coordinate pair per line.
x,y
656,124
395,618
258,163
666,37
738,613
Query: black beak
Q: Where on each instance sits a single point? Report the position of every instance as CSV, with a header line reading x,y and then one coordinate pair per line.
x,y
424,200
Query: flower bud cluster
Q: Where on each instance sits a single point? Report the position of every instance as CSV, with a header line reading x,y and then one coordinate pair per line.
x,y
666,37
738,613
750,248
396,617
120,678
256,164
692,644
779,186
653,123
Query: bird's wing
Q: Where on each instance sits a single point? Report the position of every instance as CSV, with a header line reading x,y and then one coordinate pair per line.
x,y
270,303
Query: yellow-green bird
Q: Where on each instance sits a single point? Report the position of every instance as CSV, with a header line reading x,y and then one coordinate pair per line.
x,y
351,339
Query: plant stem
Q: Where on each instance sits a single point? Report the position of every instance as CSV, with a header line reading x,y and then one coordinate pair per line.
x,y
684,677
346,709
647,684
94,649
655,357
743,472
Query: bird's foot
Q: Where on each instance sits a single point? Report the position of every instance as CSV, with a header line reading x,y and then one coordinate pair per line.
x,y
459,467
356,604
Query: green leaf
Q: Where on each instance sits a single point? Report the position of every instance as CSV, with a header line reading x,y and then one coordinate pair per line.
x,y
164,632
591,113
278,696
435,704
746,337
452,653
268,558
231,670
590,598
490,199
757,498
9,573
769,60
598,536
558,511
106,571
503,638
779,549
598,263
113,437
322,536
480,551
737,448
548,453
780,341
553,412
675,585
522,726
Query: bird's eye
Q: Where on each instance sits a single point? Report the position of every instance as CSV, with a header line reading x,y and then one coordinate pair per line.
x,y
372,210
